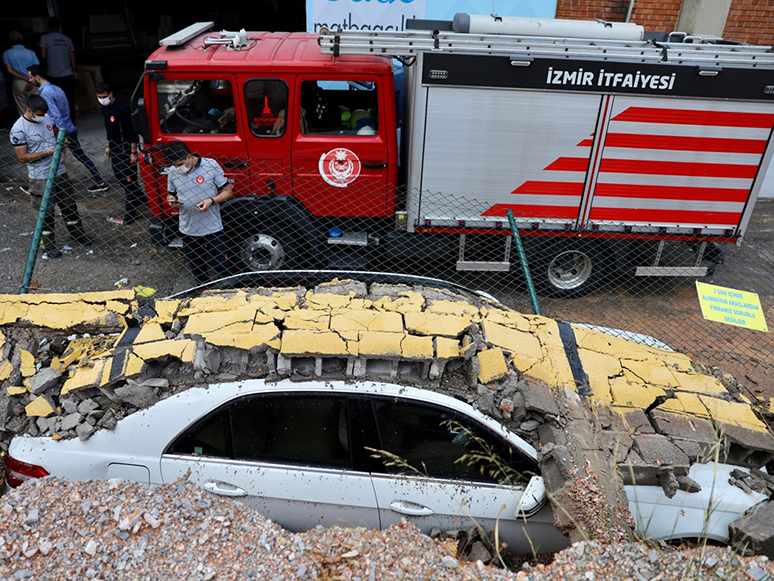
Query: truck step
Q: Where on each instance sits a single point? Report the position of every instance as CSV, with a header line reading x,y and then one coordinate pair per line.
x,y
490,266
670,271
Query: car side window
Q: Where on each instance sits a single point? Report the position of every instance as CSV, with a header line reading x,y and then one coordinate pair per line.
x,y
339,107
428,439
207,437
196,106
292,429
267,106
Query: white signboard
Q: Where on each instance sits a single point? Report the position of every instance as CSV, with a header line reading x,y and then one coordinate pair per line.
x,y
363,14
393,14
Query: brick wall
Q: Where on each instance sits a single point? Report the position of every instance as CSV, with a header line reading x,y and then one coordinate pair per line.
x,y
751,21
653,15
748,20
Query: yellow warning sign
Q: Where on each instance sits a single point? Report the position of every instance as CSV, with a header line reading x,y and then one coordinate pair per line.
x,y
731,306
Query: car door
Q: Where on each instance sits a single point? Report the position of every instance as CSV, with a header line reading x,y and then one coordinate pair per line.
x,y
340,153
286,455
437,468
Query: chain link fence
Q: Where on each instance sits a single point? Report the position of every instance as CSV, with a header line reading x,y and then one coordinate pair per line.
x,y
580,279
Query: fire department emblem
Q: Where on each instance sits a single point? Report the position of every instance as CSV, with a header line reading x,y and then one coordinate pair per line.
x,y
339,167
200,180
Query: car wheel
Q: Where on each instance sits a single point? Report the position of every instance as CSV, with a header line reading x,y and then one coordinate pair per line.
x,y
569,268
261,247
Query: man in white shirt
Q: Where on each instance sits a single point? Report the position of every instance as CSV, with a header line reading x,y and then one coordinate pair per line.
x,y
34,141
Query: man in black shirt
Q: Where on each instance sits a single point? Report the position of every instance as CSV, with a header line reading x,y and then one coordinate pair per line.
x,y
122,150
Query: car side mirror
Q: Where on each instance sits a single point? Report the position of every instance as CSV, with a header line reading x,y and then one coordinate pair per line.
x,y
532,498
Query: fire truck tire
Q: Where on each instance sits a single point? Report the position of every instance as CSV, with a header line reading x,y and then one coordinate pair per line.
x,y
569,268
259,246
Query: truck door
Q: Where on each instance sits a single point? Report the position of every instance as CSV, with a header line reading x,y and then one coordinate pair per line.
x,y
204,111
340,153
268,138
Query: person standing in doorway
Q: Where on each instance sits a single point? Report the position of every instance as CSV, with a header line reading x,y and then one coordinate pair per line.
x,y
197,186
17,60
59,111
59,53
33,137
121,149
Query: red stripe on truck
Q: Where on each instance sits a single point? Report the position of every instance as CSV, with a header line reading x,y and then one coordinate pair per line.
x,y
674,143
550,188
688,117
532,211
681,217
678,168
671,193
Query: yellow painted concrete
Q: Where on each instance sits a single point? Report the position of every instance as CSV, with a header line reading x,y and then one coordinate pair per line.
x,y
182,349
628,393
79,348
651,371
117,307
308,319
507,318
103,297
366,320
524,347
68,315
700,383
150,332
409,302
314,300
39,407
414,347
165,311
599,368
16,390
86,376
260,335
239,321
11,310
729,412
426,323
456,308
554,367
27,367
6,368
310,342
384,344
492,365
446,348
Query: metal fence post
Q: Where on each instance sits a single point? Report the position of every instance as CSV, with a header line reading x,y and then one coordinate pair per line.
x,y
33,254
524,266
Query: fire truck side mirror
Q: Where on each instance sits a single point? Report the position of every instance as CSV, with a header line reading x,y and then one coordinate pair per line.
x,y
140,121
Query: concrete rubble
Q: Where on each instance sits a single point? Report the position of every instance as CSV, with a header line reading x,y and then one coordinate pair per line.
x,y
601,410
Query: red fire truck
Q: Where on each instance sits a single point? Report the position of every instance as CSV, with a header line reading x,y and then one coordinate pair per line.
x,y
606,149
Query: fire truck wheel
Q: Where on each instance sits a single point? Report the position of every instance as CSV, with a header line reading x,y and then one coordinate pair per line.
x,y
569,268
261,247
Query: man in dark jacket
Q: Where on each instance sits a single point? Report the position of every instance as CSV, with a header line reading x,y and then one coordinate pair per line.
x,y
121,148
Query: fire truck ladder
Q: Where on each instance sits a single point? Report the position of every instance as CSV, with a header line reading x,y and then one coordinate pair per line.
x,y
522,49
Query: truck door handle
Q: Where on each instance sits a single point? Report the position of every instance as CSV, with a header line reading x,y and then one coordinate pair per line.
x,y
367,165
223,489
410,508
235,163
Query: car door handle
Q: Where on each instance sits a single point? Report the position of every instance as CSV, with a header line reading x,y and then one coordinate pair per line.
x,y
223,489
410,508
368,165
236,163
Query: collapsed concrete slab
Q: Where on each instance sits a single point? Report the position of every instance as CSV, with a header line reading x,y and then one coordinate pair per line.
x,y
601,410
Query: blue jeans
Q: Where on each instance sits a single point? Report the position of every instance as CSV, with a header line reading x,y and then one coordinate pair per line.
x,y
80,155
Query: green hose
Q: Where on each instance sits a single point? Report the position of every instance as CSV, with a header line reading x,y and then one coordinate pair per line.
x,y
524,266
33,254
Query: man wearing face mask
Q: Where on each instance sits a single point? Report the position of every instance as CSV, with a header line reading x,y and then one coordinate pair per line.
x,y
34,140
121,149
197,186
